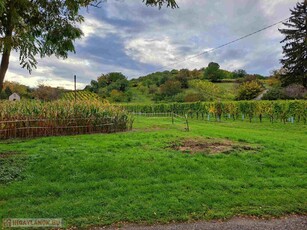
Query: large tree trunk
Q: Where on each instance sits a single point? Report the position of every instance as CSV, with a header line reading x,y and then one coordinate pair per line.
x,y
4,66
7,47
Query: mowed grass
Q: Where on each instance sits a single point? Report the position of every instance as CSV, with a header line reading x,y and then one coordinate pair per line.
x,y
91,180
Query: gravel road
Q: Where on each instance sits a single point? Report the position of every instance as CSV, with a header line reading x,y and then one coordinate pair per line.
x,y
285,223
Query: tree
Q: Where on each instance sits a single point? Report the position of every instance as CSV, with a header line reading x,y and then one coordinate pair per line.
x,y
23,90
47,93
240,73
170,88
44,28
106,83
8,91
183,76
295,50
212,72
93,87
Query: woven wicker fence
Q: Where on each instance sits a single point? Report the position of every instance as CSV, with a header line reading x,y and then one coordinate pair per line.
x,y
59,127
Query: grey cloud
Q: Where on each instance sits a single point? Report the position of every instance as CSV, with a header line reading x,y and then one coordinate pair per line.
x,y
194,27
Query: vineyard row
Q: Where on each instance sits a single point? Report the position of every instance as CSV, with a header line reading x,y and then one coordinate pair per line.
x,y
285,111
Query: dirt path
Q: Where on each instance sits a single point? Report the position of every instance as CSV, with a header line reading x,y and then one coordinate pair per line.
x,y
285,223
259,97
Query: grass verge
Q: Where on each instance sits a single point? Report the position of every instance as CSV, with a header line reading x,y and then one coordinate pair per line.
x,y
133,177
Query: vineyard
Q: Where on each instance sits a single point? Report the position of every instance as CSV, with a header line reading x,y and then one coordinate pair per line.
x,y
284,111
81,95
33,118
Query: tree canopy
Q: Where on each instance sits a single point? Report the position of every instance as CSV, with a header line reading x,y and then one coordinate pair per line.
x,y
213,72
44,28
295,48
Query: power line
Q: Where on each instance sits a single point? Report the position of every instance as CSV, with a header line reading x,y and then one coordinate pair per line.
x,y
223,45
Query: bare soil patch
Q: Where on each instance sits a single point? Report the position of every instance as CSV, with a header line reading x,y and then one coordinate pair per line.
x,y
211,146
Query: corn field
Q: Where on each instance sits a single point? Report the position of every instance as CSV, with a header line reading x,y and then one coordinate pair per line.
x,y
284,111
26,119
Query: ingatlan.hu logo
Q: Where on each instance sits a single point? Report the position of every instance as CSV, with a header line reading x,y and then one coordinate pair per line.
x,y
37,223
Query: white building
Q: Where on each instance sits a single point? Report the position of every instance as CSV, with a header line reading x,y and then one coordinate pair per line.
x,y
14,97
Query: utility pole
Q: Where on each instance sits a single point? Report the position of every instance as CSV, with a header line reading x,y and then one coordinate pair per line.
x,y
75,82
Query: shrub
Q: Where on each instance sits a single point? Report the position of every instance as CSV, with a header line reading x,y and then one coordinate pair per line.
x,y
274,94
170,88
295,91
249,90
193,97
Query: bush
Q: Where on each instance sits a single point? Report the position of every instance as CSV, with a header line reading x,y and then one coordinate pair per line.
x,y
193,97
178,97
249,90
274,94
295,91
170,88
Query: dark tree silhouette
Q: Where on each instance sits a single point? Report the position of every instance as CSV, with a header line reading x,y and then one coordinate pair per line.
x,y
295,49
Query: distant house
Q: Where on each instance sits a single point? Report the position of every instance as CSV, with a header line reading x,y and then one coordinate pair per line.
x,y
14,97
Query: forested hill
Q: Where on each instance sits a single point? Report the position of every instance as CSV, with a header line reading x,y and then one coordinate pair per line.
x,y
183,85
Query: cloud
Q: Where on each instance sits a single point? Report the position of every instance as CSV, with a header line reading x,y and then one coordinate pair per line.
x,y
271,8
152,51
129,37
93,27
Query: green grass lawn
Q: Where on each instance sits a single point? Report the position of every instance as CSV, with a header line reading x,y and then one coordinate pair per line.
x,y
134,177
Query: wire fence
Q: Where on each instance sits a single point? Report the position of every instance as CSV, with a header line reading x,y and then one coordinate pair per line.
x,y
167,114
59,127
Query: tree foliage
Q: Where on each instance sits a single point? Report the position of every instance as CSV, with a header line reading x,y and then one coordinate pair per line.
x,y
295,48
47,93
113,86
183,76
170,88
240,73
213,72
160,3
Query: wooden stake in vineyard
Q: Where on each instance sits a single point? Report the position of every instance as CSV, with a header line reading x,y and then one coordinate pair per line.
x,y
187,123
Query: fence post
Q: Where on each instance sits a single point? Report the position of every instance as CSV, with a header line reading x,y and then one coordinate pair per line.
x,y
187,123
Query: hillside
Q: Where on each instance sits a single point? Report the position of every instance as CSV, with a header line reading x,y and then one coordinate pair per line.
x,y
205,84
221,90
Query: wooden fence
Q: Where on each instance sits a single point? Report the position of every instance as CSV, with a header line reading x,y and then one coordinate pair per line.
x,y
57,127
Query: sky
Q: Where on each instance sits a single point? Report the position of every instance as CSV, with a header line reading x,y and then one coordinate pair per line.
x,y
128,37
